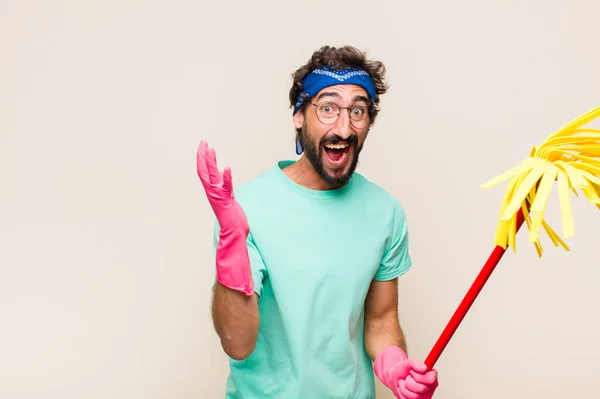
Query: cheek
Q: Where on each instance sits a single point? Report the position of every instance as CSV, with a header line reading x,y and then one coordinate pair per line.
x,y
315,131
362,135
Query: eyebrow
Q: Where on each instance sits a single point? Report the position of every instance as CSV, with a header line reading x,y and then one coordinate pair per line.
x,y
328,94
336,95
360,98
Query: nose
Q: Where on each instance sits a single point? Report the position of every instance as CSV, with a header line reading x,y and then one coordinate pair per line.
x,y
342,124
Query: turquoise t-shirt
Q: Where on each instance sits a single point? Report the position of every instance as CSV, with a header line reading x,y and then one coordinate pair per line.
x,y
314,254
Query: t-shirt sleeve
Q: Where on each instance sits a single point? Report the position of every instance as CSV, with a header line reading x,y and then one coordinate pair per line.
x,y
396,258
259,270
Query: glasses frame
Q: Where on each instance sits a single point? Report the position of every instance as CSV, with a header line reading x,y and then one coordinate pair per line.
x,y
367,119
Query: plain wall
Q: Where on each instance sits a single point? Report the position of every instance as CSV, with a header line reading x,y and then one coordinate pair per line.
x,y
106,236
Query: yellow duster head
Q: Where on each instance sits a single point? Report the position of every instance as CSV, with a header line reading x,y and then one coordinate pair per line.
x,y
571,157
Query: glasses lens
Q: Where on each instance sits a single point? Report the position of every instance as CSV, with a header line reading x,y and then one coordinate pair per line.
x,y
328,112
359,116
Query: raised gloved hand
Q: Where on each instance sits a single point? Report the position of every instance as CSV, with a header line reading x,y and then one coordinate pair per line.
x,y
406,378
232,261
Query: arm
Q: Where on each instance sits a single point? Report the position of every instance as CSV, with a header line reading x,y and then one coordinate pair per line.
x,y
384,339
236,321
234,308
385,344
235,313
382,327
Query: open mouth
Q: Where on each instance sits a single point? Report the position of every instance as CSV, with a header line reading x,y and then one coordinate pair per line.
x,y
337,154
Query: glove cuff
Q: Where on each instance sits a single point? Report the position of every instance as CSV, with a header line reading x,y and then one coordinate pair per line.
x,y
233,263
385,361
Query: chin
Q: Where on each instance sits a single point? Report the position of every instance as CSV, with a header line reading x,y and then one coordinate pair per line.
x,y
337,177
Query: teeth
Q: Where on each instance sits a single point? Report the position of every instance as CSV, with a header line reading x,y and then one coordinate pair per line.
x,y
336,146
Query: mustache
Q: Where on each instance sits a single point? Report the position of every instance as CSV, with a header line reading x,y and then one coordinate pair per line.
x,y
335,139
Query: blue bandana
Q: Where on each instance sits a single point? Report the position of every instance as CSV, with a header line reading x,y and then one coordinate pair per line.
x,y
324,77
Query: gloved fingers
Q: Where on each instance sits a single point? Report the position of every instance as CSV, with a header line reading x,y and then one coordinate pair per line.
x,y
417,365
211,164
227,183
201,162
405,393
416,387
429,378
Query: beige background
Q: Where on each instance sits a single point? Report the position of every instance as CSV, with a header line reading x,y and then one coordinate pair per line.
x,y
105,233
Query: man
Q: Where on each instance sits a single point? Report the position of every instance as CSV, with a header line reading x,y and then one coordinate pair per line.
x,y
308,254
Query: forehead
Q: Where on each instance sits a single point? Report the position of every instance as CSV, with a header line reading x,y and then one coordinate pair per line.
x,y
343,92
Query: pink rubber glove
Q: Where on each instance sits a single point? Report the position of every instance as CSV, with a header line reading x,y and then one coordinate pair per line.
x,y
407,378
232,261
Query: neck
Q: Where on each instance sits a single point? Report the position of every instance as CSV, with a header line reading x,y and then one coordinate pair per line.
x,y
302,173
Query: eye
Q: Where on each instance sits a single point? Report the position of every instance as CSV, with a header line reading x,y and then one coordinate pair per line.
x,y
358,111
327,109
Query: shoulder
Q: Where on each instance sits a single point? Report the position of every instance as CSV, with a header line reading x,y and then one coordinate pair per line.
x,y
381,201
255,189
372,191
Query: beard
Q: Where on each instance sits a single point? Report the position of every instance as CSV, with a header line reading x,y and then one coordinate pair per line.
x,y
314,154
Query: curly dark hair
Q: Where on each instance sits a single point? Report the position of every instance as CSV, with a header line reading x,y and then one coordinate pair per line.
x,y
340,58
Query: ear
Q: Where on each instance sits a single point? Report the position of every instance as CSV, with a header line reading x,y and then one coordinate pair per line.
x,y
298,119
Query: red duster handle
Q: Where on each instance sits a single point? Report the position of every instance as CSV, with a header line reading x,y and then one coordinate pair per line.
x,y
468,300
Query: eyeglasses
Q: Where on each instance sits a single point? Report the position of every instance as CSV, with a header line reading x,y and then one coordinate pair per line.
x,y
328,113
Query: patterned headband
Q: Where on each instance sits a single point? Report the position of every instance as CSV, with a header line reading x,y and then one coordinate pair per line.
x,y
324,77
